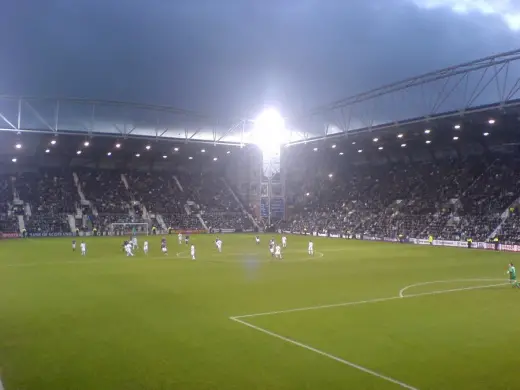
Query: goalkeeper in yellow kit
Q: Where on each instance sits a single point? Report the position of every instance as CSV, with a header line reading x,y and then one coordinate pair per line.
x,y
511,271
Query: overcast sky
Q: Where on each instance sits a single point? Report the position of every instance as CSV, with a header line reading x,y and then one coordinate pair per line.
x,y
231,55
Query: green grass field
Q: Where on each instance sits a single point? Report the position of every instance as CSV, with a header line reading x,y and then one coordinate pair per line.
x,y
108,322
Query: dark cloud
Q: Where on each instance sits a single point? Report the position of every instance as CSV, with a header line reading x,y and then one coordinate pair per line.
x,y
230,55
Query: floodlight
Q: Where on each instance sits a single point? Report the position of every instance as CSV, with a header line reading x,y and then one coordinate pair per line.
x,y
403,145
353,143
18,145
165,156
78,152
109,154
400,135
118,146
315,149
428,142
380,148
175,149
137,155
86,143
491,121
228,152
427,131
456,127
190,158
455,138
375,139
486,134
13,160
307,194
215,158
53,142
148,147
341,153
334,146
360,151
269,131
47,150
330,175
203,150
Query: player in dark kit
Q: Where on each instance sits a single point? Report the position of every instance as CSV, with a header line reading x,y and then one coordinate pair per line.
x,y
187,239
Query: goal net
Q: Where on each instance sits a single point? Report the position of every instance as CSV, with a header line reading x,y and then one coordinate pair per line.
x,y
125,229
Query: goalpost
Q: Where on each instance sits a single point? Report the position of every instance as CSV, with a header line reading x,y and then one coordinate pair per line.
x,y
128,228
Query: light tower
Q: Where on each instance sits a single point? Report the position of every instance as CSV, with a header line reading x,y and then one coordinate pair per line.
x,y
270,134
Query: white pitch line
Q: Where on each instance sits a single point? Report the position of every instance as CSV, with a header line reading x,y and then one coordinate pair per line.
x,y
328,355
401,292
319,307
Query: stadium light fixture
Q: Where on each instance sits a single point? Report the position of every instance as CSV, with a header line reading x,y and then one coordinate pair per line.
x,y
203,150
118,146
164,156
375,139
360,151
78,152
14,159
400,135
269,132
228,152
307,194
109,154
148,147
53,142
190,158
353,142
137,155
456,127
86,143
491,121
403,145
47,150
334,146
455,138
380,148
18,145
427,131
315,149
215,158
175,149
428,141
341,153
330,175
486,134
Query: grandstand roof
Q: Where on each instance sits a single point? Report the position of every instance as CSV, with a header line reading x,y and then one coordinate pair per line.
x,y
485,85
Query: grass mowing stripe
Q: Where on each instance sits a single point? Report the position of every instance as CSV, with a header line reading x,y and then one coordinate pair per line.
x,y
328,355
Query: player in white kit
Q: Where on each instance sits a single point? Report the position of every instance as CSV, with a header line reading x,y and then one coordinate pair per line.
x,y
278,252
83,247
219,244
180,238
134,243
193,252
311,248
257,239
145,247
128,250
284,241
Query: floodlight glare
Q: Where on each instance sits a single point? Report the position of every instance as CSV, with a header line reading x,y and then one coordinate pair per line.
x,y
269,132
228,152
47,150
109,154
491,121
86,143
14,160
341,153
18,146
53,142
165,156
175,149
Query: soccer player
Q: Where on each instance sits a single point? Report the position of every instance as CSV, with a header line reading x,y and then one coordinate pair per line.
x,y
128,249
187,239
219,245
271,247
145,248
193,252
179,236
284,241
164,249
257,239
134,243
311,248
83,247
512,276
278,252
73,245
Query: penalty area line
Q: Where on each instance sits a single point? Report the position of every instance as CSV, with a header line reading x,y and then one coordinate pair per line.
x,y
322,353
376,300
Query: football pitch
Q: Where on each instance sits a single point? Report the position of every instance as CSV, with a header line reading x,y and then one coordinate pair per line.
x,y
357,315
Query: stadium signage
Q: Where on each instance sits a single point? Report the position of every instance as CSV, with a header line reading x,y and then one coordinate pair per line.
x,y
9,235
